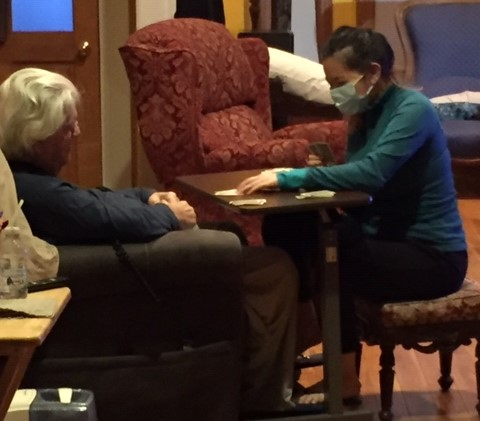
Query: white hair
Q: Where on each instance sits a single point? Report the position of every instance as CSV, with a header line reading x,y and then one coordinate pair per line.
x,y
34,104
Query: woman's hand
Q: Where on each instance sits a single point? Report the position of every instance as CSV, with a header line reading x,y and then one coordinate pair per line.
x,y
314,160
3,224
264,180
163,196
183,211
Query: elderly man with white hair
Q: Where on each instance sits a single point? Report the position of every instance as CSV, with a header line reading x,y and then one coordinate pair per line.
x,y
38,123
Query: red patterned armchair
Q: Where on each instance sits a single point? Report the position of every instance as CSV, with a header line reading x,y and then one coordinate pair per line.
x,y
202,103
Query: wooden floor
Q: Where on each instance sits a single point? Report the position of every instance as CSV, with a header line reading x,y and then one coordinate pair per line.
x,y
417,396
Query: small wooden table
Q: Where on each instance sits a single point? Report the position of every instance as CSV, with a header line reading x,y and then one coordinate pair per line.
x,y
286,202
19,337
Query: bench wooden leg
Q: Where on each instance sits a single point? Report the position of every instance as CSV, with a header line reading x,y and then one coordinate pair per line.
x,y
477,373
445,380
387,362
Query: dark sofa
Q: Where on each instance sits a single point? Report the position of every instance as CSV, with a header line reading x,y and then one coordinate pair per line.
x,y
174,358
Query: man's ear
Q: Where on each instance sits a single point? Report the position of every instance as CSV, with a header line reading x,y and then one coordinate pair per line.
x,y
36,149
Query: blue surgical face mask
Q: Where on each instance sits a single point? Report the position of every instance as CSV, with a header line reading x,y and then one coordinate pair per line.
x,y
347,99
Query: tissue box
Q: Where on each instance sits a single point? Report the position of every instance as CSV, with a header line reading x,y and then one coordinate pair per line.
x,y
46,405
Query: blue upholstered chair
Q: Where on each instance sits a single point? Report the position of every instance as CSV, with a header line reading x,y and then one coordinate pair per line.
x,y
441,42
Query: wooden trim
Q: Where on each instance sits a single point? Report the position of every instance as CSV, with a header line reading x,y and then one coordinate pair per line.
x,y
254,11
132,16
323,21
365,17
4,13
400,16
366,13
278,7
134,137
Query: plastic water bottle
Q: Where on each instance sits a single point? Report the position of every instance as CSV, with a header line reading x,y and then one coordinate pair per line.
x,y
13,269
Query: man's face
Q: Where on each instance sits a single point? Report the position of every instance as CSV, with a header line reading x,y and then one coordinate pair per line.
x,y
53,153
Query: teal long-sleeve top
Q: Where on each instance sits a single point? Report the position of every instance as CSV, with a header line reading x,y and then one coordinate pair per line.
x,y
400,157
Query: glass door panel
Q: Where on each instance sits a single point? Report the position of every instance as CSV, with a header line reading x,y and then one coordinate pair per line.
x,y
30,16
41,31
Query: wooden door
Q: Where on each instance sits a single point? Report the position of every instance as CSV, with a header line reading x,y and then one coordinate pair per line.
x,y
364,16
73,52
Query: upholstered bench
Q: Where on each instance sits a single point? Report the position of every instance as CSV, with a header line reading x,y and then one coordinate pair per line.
x,y
463,137
427,326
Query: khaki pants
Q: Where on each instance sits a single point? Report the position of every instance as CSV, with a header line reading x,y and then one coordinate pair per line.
x,y
271,295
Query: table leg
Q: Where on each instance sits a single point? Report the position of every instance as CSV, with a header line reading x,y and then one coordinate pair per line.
x,y
328,301
12,370
327,304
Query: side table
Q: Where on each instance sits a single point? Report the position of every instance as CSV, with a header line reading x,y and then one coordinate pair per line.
x,y
19,337
328,301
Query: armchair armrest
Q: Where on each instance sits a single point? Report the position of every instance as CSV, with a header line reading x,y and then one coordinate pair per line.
x,y
332,132
257,53
164,115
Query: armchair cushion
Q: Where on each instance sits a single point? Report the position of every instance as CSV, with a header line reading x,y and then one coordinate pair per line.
x,y
238,125
270,154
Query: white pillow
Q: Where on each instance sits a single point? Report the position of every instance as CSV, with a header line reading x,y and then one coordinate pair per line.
x,y
300,76
466,96
42,259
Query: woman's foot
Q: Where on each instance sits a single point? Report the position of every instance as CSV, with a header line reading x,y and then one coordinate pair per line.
x,y
350,385
311,398
351,402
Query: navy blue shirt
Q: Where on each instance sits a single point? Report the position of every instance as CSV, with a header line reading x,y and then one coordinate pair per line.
x,y
62,213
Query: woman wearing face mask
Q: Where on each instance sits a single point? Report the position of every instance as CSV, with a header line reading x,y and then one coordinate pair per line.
x,y
409,243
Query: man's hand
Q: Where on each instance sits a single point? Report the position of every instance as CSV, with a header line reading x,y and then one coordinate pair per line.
x,y
258,182
183,211
163,197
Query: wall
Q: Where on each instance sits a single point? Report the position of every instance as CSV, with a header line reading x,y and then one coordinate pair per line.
x,y
124,163
115,95
385,23
303,28
149,11
303,23
237,15
344,12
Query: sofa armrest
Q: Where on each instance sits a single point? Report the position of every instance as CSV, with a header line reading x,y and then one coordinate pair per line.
x,y
196,276
177,260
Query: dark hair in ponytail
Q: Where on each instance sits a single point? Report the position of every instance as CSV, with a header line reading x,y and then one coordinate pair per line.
x,y
358,48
